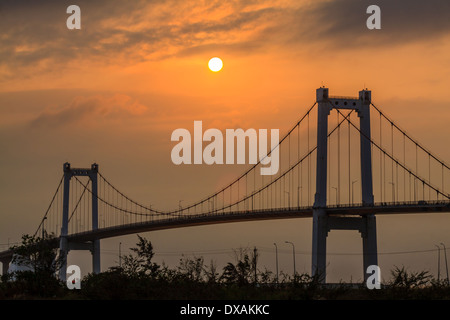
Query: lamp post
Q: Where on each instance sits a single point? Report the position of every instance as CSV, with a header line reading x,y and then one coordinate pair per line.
x,y
180,207
289,198
353,182
336,195
120,255
446,265
293,254
43,227
276,258
439,262
393,191
299,196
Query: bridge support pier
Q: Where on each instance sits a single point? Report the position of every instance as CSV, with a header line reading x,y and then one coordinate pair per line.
x,y
319,244
369,236
65,246
322,222
96,256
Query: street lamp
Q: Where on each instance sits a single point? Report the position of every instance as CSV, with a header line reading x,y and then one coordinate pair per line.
x,y
439,262
120,255
336,195
446,265
353,182
393,191
43,227
276,258
299,202
289,198
180,207
293,254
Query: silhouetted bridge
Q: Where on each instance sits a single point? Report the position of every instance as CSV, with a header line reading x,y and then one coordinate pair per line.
x,y
394,173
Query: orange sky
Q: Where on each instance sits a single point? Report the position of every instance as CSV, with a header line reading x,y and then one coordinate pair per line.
x,y
114,91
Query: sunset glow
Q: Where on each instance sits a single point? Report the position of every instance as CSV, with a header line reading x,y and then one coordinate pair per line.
x,y
114,91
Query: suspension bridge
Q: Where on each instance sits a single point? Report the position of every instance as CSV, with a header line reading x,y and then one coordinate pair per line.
x,y
341,164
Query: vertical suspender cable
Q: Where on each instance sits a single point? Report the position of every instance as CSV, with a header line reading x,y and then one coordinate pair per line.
x,y
381,163
349,166
339,156
417,173
429,176
309,168
404,173
290,171
329,169
392,153
299,167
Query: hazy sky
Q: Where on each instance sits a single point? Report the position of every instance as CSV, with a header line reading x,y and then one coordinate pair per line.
x,y
114,91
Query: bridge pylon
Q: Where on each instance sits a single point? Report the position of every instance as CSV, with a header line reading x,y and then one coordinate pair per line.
x,y
322,221
66,245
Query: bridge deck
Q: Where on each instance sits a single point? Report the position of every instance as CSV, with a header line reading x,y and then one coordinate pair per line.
x,y
256,215
267,214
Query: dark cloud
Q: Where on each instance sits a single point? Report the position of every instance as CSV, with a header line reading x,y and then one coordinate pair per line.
x,y
343,22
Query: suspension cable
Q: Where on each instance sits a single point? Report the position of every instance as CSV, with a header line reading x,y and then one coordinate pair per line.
x,y
396,161
50,205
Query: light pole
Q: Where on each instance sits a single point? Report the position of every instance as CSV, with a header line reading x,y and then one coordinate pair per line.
x,y
299,202
353,182
120,255
336,195
289,198
255,261
180,207
276,258
439,262
43,227
293,255
446,265
393,191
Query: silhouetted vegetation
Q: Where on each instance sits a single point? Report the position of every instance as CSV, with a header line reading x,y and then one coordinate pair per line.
x,y
39,260
139,277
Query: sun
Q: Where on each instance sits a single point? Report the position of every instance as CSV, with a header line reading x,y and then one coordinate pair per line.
x,y
215,64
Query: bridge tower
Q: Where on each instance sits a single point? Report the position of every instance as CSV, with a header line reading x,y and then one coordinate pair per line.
x,y
65,245
322,222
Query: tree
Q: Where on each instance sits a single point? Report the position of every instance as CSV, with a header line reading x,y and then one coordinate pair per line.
x,y
402,279
141,264
40,256
192,268
212,276
244,271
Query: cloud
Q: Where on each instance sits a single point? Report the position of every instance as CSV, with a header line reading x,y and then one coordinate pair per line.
x,y
119,33
343,22
89,110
